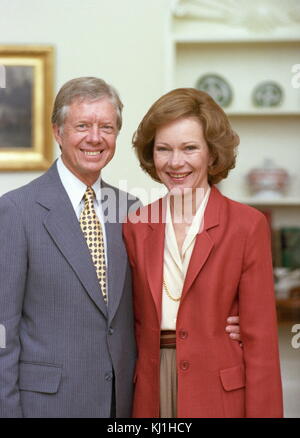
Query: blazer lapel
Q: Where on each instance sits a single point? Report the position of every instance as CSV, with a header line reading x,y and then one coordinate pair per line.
x,y
63,227
204,242
201,251
154,253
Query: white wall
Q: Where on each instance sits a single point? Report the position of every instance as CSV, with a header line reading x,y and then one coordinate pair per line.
x,y
122,41
118,40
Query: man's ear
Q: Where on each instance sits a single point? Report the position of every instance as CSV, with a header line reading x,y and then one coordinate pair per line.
x,y
57,133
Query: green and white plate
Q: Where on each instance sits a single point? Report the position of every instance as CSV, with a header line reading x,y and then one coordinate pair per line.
x,y
217,87
267,94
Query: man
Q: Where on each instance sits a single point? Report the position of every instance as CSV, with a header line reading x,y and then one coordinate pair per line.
x,y
67,344
65,291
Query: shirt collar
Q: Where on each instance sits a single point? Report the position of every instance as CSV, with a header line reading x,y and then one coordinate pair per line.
x,y
194,228
74,187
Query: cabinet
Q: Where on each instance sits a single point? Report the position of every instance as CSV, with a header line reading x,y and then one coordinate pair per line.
x,y
245,56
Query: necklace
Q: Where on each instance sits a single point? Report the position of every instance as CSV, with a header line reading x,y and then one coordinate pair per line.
x,y
169,293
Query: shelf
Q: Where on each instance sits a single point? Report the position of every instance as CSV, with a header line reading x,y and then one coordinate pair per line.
x,y
284,202
243,66
262,113
245,59
218,39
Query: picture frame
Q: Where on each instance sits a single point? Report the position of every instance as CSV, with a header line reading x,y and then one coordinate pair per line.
x,y
26,98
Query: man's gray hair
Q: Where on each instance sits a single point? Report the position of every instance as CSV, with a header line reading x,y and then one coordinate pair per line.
x,y
84,88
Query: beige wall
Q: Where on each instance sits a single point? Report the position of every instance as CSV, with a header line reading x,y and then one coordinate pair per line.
x,y
120,41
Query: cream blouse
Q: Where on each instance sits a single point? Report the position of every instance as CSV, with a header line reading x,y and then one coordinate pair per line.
x,y
176,263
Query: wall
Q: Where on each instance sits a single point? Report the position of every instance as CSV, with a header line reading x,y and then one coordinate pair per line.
x,y
120,41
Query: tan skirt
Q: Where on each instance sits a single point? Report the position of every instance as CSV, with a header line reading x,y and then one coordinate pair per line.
x,y
168,383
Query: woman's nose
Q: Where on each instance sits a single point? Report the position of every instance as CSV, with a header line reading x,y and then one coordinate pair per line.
x,y
176,159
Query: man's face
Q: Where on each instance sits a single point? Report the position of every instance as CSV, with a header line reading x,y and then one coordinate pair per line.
x,y
88,137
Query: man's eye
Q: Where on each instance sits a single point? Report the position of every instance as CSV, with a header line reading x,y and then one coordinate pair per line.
x,y
81,126
107,128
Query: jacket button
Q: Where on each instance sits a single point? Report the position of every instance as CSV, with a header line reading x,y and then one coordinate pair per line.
x,y
183,334
184,365
110,331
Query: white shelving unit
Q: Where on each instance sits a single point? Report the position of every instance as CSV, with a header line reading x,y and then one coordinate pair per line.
x,y
245,57
280,202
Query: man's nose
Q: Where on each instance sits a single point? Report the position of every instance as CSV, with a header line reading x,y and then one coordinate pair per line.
x,y
94,135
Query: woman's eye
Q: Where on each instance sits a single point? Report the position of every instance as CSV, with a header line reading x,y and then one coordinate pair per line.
x,y
191,148
161,148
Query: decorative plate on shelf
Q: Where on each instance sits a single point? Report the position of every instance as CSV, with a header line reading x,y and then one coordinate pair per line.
x,y
267,94
217,87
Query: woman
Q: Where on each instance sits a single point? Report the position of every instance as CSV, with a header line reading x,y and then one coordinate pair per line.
x,y
196,258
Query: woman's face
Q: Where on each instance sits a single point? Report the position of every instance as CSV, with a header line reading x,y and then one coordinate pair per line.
x,y
181,155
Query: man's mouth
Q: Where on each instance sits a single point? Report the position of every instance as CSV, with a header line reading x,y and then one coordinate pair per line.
x,y
92,153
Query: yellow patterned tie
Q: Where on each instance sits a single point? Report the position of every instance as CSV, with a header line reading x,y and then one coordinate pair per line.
x,y
92,230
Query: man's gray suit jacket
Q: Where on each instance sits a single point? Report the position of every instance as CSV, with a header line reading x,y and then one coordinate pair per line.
x,y
62,343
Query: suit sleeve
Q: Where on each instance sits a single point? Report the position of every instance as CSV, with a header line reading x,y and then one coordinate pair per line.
x,y
127,236
13,268
258,325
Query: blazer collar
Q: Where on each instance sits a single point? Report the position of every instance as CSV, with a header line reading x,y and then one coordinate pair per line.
x,y
155,213
154,245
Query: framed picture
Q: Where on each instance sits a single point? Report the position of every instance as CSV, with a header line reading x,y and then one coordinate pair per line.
x,y
26,97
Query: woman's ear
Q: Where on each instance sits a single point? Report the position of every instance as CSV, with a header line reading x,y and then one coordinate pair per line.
x,y
211,160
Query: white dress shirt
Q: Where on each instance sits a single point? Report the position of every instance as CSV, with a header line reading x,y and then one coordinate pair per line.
x,y
76,190
176,263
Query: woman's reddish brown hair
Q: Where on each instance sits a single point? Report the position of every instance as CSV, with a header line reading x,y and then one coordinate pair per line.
x,y
222,141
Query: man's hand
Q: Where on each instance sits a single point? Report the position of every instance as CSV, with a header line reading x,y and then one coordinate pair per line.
x,y
233,328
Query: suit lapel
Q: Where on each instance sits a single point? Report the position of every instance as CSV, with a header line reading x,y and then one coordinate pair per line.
x,y
63,227
115,207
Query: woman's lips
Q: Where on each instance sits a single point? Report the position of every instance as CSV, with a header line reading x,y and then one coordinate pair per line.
x,y
179,176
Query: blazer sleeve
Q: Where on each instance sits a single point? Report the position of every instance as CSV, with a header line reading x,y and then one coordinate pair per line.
x,y
258,324
13,268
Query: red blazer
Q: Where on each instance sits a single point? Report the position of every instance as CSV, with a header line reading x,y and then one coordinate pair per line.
x,y
230,273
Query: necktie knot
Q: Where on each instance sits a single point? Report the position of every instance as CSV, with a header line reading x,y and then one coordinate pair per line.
x,y
89,196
